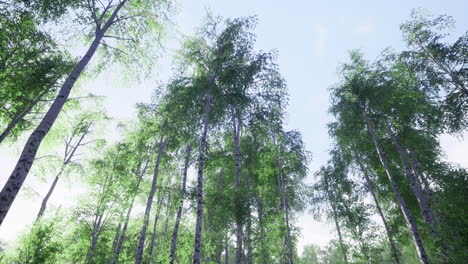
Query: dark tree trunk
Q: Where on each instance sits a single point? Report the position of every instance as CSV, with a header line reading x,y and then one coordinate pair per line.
x,y
155,226
67,159
239,223
49,193
149,203
118,245
264,256
226,250
201,163
172,255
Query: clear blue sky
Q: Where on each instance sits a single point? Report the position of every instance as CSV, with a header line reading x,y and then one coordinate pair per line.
x,y
312,38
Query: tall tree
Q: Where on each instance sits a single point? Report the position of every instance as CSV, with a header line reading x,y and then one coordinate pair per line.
x,y
104,20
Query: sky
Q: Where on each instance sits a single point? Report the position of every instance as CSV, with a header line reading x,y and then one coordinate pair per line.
x,y
311,37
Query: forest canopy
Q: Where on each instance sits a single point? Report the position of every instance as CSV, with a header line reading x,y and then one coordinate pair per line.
x,y
208,169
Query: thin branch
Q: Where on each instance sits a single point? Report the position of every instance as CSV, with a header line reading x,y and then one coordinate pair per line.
x,y
119,50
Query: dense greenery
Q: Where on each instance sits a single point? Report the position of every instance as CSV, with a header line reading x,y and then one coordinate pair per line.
x,y
207,172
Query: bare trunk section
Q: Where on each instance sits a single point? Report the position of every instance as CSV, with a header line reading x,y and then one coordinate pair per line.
x,y
155,225
414,184
239,224
172,255
370,186
226,250
201,162
248,242
96,232
263,254
118,245
421,197
26,159
117,234
49,193
284,203
168,207
335,218
416,167
404,208
149,203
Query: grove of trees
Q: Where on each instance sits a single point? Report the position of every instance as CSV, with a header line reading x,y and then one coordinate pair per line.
x,y
207,171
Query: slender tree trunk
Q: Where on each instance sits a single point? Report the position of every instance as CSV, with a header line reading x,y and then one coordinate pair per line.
x,y
239,224
404,208
172,255
335,218
149,203
226,250
219,254
284,202
201,163
67,159
118,246
248,243
414,184
168,206
118,233
26,159
261,225
49,193
97,225
153,235
416,167
92,248
370,186
421,197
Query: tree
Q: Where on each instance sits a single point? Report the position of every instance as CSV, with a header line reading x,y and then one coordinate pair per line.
x,y
104,20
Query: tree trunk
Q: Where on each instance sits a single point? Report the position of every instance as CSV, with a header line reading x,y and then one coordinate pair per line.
x,y
118,246
421,197
97,225
153,235
404,208
226,250
264,257
370,186
201,163
149,203
49,193
416,167
118,232
284,203
168,207
414,184
26,159
172,255
248,243
335,218
66,160
239,220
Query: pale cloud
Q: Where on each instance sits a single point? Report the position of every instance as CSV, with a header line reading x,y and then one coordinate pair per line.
x,y
320,33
